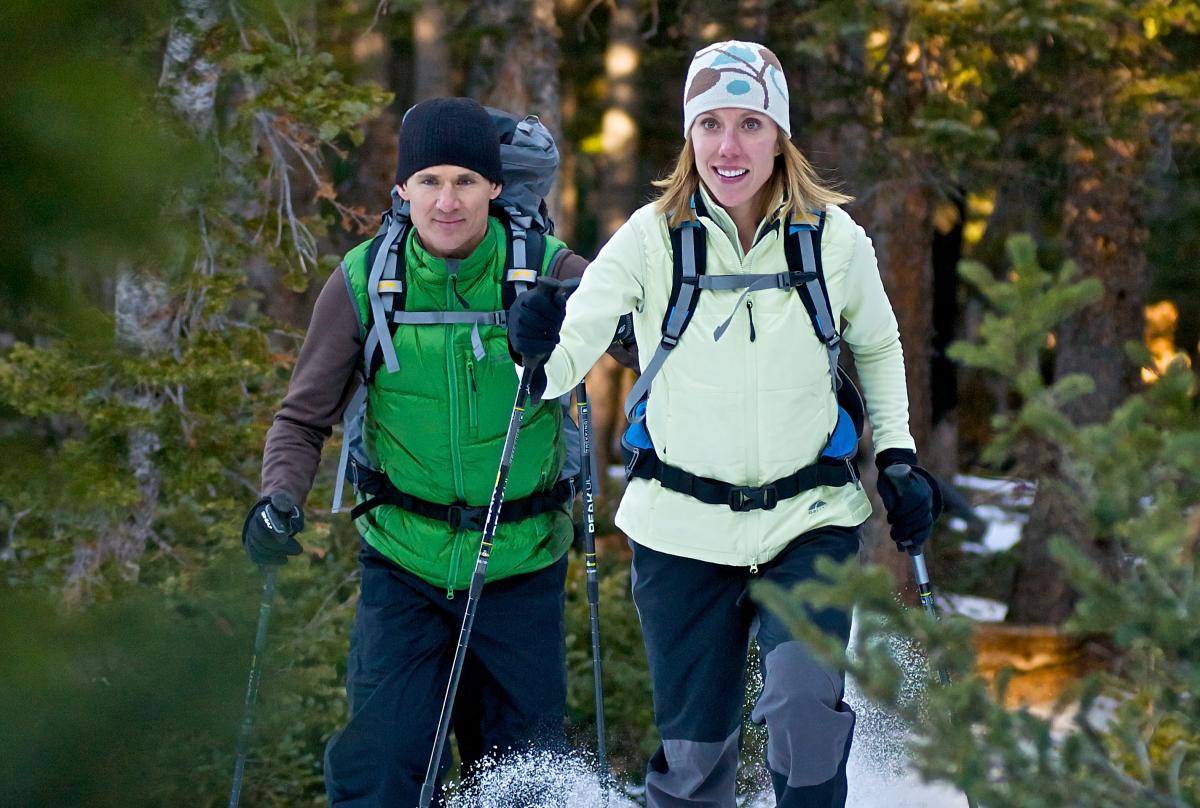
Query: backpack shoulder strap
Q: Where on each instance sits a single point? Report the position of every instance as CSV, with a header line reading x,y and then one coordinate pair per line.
x,y
385,289
689,256
524,255
802,248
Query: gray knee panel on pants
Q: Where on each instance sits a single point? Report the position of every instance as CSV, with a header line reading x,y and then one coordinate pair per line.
x,y
696,774
808,724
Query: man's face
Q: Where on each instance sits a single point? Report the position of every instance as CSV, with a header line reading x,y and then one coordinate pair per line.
x,y
449,208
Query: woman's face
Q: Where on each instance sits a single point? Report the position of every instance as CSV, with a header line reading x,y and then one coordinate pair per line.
x,y
735,154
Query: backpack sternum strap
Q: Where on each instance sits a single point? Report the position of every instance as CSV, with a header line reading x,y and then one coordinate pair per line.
x,y
499,318
776,280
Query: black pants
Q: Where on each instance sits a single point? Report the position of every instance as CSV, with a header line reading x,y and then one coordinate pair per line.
x,y
512,695
697,619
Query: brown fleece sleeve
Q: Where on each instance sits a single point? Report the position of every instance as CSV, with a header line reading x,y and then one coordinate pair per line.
x,y
322,384
567,266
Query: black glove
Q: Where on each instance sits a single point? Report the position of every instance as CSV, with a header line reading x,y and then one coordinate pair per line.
x,y
534,320
911,496
270,528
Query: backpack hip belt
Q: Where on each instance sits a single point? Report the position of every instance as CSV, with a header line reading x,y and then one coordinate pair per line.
x,y
381,491
649,466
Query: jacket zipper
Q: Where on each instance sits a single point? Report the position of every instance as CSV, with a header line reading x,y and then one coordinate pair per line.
x,y
455,445
853,476
752,464
455,558
473,401
462,301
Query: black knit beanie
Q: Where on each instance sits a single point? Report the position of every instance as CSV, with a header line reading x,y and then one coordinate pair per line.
x,y
449,131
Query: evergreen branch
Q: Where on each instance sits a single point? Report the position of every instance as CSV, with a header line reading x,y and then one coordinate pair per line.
x,y
303,241
162,544
7,553
652,30
383,7
585,18
312,622
288,26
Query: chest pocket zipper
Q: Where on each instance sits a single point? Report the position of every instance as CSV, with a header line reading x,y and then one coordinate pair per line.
x,y
473,398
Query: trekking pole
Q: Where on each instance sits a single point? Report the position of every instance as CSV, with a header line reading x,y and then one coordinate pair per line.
x,y
548,287
925,591
589,555
921,576
260,641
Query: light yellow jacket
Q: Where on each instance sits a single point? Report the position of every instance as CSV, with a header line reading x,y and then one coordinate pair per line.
x,y
746,412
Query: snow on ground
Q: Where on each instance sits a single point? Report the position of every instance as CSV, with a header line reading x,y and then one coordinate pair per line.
x,y
1010,493
981,610
878,773
539,780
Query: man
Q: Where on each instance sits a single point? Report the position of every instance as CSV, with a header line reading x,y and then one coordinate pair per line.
x,y
434,429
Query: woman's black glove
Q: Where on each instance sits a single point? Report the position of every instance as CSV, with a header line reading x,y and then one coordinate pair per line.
x,y
534,320
911,496
269,532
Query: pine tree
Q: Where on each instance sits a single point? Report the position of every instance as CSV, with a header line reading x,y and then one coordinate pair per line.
x,y
1135,481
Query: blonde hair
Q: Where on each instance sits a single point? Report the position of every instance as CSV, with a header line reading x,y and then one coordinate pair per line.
x,y
794,180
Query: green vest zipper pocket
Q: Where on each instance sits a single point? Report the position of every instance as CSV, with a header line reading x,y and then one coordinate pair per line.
x,y
473,398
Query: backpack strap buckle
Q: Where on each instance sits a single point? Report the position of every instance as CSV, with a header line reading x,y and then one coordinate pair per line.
x,y
465,517
794,278
745,498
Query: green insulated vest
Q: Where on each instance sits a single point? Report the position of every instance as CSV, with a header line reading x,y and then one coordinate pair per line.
x,y
436,426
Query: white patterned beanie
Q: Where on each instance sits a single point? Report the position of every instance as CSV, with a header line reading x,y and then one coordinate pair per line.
x,y
742,75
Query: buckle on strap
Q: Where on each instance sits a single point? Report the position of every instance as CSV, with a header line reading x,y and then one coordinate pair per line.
x,y
465,517
791,279
744,498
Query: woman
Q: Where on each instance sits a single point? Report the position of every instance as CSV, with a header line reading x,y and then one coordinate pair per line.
x,y
744,408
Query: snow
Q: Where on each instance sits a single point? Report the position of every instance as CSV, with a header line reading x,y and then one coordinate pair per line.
x,y
1012,493
983,610
538,780
878,773
1002,534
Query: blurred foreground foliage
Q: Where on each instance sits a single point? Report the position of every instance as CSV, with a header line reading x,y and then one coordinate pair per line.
x,y
1129,736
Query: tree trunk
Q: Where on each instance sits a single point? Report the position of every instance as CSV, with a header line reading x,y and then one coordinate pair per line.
x,y
568,180
431,55
144,311
516,67
896,210
898,217
1102,222
616,195
1106,238
752,19
1041,593
189,78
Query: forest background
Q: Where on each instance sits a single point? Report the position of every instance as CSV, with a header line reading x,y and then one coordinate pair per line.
x,y
177,180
